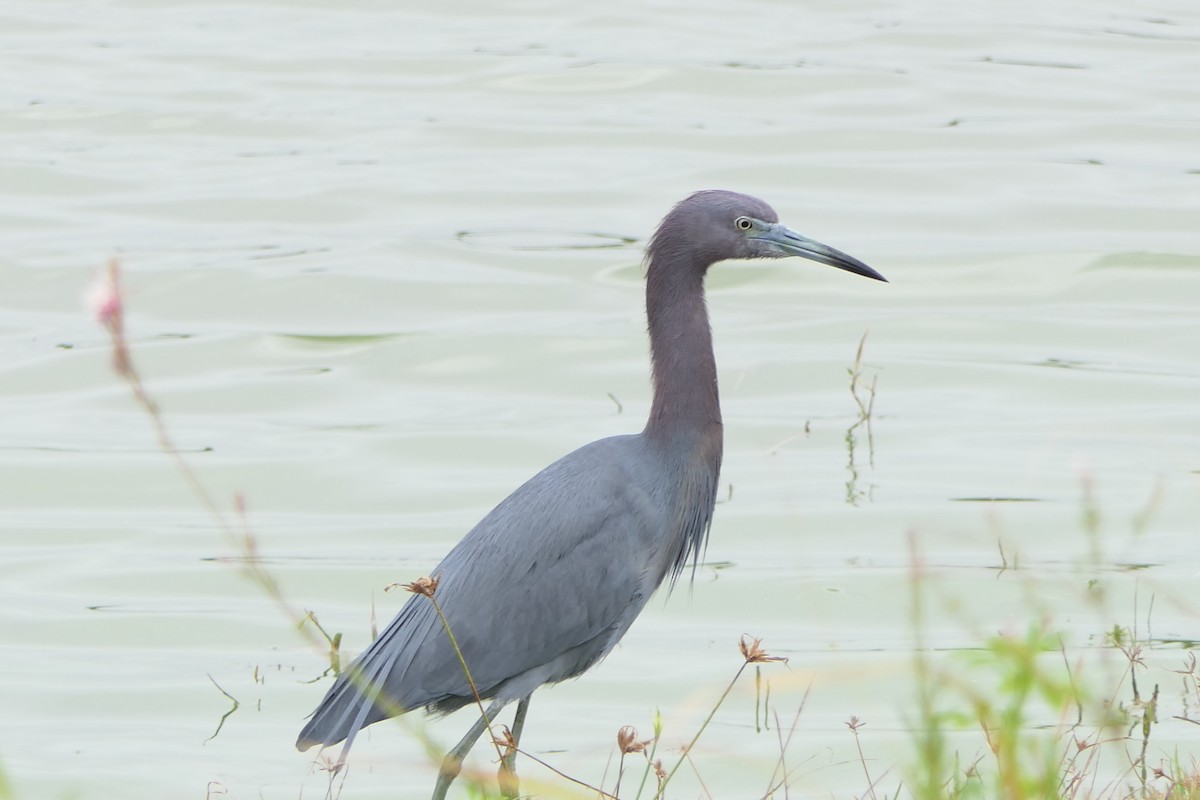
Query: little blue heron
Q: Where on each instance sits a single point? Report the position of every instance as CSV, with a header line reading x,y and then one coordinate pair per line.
x,y
549,581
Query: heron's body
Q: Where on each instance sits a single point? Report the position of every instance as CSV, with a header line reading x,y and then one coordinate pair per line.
x,y
545,611
549,581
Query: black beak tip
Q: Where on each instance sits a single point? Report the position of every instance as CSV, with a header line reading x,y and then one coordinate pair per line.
x,y
859,268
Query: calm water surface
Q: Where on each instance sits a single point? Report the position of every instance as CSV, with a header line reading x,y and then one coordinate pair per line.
x,y
383,264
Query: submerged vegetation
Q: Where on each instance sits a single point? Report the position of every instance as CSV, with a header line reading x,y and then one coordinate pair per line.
x,y
1026,713
863,394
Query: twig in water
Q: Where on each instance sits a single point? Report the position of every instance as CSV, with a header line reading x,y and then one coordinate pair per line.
x,y
335,646
757,699
865,413
227,714
855,371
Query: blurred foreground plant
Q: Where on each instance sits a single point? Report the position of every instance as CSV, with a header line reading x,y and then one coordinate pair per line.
x,y
106,303
1046,723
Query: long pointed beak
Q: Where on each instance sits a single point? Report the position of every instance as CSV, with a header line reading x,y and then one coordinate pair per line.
x,y
793,244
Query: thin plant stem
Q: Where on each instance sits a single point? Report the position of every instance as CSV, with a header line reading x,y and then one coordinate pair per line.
x,y
699,777
650,756
781,765
782,754
854,724
687,749
428,588
575,781
620,774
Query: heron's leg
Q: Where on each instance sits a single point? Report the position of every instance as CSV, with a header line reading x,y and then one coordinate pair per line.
x,y
510,785
452,763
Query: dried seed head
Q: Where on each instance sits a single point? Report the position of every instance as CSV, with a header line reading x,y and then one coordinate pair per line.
x,y
425,586
627,741
659,772
326,763
505,740
753,652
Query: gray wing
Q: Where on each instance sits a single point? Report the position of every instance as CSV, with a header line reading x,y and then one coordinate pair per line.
x,y
537,592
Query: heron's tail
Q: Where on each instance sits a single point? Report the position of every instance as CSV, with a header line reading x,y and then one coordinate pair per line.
x,y
353,703
369,690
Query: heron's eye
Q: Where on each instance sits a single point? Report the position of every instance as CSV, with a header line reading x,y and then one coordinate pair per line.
x,y
743,223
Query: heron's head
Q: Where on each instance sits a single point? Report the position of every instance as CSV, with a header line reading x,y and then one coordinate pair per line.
x,y
715,225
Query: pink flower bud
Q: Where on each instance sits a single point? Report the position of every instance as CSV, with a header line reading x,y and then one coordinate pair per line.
x,y
103,297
